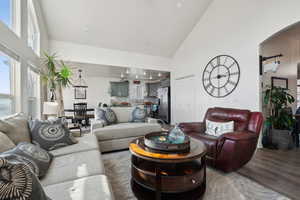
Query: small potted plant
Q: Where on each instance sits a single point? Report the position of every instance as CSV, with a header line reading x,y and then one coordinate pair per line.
x,y
279,116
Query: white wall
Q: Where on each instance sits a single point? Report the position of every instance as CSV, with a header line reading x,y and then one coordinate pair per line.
x,y
97,91
234,27
287,45
95,55
19,46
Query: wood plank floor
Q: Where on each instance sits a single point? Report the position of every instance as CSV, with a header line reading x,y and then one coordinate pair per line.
x,y
277,170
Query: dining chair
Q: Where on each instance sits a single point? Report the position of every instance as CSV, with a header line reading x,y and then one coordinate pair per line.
x,y
80,113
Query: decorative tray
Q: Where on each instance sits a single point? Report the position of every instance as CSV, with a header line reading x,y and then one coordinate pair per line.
x,y
159,141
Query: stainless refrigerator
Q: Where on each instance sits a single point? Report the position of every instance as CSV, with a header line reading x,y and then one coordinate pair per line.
x,y
164,97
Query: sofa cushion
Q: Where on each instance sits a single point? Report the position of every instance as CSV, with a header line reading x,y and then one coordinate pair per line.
x,y
51,134
240,117
123,113
35,157
73,166
85,143
16,128
124,130
5,143
89,188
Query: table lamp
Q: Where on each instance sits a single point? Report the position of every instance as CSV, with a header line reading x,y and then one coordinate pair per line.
x,y
50,109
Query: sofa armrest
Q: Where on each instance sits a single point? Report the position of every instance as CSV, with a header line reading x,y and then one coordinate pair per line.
x,y
187,127
152,120
95,124
239,135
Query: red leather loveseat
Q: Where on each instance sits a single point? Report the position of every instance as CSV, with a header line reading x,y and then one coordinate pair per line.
x,y
230,151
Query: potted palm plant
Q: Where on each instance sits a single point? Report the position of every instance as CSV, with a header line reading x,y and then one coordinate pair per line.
x,y
56,75
279,117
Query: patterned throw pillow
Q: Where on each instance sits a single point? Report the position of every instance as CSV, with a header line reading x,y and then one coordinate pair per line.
x,y
32,155
17,182
139,115
107,115
218,128
51,135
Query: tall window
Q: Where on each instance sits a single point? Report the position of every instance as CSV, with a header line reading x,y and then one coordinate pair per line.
x,y
10,14
7,97
33,29
33,86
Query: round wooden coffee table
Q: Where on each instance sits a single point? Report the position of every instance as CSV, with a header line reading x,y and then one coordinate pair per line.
x,y
159,175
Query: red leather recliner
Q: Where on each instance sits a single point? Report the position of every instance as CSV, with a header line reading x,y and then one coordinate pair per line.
x,y
230,151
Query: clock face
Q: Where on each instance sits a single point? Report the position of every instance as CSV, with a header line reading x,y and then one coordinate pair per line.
x,y
221,76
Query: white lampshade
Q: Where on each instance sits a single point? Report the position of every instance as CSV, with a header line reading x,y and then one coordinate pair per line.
x,y
50,108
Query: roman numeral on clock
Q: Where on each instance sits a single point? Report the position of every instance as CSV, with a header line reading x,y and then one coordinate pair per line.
x,y
232,82
234,73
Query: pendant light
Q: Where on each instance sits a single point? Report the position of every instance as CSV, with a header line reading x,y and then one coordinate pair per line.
x,y
80,86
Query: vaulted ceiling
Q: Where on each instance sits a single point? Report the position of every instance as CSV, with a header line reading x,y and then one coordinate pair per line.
x,y
153,27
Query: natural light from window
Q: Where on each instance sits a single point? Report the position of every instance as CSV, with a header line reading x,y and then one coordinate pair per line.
x,y
6,12
6,93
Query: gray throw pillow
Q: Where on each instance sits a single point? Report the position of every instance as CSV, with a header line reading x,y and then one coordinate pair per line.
x,y
16,128
107,115
17,182
139,115
51,135
36,158
5,143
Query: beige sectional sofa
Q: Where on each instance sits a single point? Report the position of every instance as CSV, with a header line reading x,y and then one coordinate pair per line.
x,y
117,136
76,172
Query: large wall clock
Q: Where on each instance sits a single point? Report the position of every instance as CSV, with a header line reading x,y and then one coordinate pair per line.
x,y
221,76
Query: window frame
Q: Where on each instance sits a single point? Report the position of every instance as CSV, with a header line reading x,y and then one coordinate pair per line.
x,y
12,81
15,17
32,24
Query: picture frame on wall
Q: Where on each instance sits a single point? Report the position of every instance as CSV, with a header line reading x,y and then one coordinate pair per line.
x,y
279,82
79,93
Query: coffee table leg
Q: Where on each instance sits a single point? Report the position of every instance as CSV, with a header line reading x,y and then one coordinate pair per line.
x,y
158,183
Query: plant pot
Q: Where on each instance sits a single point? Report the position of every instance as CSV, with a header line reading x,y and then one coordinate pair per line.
x,y
282,139
266,141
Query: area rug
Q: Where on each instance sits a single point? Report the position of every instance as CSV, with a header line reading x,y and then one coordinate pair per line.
x,y
220,186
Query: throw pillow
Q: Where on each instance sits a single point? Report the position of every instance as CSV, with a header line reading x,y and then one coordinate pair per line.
x,y
51,135
17,182
36,158
16,128
139,114
218,128
5,143
107,115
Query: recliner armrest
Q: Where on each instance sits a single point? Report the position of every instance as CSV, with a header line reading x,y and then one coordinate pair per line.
x,y
187,127
239,135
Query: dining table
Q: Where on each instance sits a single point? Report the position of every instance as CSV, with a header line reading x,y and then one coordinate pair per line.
x,y
89,116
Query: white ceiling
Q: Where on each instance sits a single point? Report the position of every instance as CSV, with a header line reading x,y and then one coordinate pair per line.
x,y
93,70
153,27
